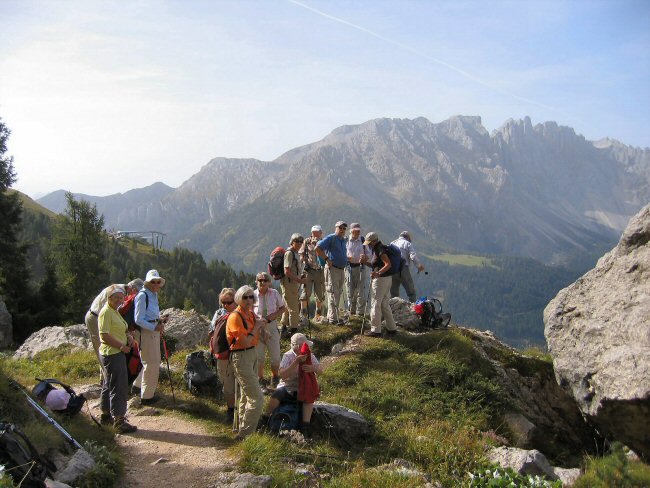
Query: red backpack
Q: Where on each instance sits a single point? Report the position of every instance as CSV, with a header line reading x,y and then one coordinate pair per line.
x,y
276,263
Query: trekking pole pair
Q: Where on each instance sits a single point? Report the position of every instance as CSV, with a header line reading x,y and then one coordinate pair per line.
x,y
365,306
169,373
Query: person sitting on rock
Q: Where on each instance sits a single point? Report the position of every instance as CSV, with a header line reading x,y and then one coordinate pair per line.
x,y
287,391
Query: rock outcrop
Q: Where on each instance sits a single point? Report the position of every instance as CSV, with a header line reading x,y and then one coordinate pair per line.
x,y
339,422
598,332
52,337
188,328
403,314
6,336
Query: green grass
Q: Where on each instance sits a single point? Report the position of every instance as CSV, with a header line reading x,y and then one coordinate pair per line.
x,y
462,260
615,469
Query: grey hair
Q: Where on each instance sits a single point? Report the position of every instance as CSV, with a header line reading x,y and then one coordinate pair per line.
x,y
263,274
137,283
239,294
226,292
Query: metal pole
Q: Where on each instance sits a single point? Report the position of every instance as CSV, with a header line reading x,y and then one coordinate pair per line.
x,y
235,418
169,373
365,307
40,410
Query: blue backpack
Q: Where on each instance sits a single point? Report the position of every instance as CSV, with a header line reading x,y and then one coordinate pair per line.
x,y
397,262
285,417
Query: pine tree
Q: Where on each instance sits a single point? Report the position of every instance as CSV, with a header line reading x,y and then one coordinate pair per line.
x,y
14,275
79,246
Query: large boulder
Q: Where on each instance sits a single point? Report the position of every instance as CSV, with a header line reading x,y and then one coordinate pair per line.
x,y
340,423
52,337
598,332
403,313
188,328
524,462
6,337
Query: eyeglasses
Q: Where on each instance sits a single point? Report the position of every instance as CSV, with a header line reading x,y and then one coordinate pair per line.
x,y
155,282
227,303
299,241
248,297
263,281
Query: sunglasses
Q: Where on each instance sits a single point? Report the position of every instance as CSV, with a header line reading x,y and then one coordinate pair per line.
x,y
155,282
263,281
248,297
299,241
227,303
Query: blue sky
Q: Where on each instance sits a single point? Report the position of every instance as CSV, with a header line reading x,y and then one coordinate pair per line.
x,y
102,97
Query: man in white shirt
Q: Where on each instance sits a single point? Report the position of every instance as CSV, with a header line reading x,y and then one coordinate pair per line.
x,y
357,255
404,278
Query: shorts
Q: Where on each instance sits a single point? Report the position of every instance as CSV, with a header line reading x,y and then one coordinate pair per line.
x,y
282,395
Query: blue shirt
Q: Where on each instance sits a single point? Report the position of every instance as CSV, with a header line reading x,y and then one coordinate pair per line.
x,y
335,249
146,316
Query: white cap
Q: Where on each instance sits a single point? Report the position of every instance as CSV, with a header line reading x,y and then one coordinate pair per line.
x,y
153,274
299,339
317,228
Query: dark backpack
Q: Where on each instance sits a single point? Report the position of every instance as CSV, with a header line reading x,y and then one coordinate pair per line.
x,y
21,459
397,262
197,374
127,310
432,316
276,263
217,338
285,417
44,387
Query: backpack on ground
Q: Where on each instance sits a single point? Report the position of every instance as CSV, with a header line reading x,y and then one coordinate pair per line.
x,y
276,263
20,459
397,262
217,338
64,401
197,375
127,310
430,312
285,417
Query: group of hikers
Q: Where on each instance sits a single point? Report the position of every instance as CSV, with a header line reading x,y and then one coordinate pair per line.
x,y
128,316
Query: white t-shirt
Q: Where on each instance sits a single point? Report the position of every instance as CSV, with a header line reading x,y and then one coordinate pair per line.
x,y
272,300
292,383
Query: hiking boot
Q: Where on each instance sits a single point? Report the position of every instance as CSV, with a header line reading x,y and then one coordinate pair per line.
x,y
123,427
391,332
264,422
275,381
284,333
370,333
135,390
230,415
106,419
149,401
263,382
305,430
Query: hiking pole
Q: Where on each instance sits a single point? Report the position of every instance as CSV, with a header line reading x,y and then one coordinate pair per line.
x,y
235,417
365,307
169,373
40,410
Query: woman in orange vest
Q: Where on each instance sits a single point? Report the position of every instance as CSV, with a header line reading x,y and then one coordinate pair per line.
x,y
242,332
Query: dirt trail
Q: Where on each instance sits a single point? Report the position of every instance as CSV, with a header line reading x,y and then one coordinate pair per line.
x,y
192,457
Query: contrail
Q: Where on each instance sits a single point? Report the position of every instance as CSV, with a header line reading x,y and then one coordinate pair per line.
x,y
405,47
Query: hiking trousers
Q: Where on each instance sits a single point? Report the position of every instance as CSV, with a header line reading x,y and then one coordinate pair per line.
x,y
380,306
251,399
315,284
334,279
92,325
115,386
269,341
147,380
353,286
291,294
226,374
405,279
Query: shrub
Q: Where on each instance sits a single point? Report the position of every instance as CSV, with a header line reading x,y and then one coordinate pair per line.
x,y
614,469
506,477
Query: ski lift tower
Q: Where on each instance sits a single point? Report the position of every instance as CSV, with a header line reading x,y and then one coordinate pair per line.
x,y
155,236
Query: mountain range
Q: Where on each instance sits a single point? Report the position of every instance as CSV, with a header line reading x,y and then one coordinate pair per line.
x,y
539,191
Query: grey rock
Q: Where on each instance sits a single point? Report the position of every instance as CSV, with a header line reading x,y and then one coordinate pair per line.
x,y
521,428
522,461
249,480
50,483
404,468
598,332
91,392
341,423
403,313
568,476
160,461
80,463
337,349
52,337
188,328
6,327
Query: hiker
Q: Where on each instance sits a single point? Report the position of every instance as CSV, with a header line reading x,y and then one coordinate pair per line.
x,y
152,326
225,370
114,344
332,250
314,273
380,286
404,278
288,388
290,284
93,314
268,306
356,254
243,334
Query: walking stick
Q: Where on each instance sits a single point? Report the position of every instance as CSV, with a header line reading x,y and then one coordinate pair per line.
x,y
169,373
235,418
365,307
